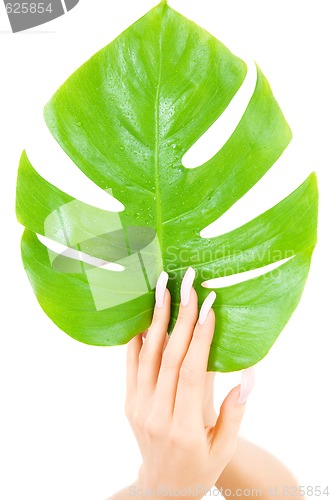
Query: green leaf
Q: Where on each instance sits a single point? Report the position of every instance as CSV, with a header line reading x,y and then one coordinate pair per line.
x,y
126,118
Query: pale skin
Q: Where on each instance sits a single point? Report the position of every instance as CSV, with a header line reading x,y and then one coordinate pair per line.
x,y
185,445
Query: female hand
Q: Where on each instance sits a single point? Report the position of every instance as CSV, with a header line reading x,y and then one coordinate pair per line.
x,y
165,400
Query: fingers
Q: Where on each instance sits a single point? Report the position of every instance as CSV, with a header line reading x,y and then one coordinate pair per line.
x,y
168,375
247,384
176,348
209,413
166,340
226,429
132,362
192,376
151,352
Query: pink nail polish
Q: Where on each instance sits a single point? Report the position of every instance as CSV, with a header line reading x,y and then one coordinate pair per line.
x,y
161,286
247,384
186,286
206,306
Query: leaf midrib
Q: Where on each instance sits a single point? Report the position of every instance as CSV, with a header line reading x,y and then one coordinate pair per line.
x,y
159,231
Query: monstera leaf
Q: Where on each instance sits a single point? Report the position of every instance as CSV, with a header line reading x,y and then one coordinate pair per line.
x,y
126,118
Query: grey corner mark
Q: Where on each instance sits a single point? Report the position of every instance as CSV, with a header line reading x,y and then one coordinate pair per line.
x,y
70,4
28,14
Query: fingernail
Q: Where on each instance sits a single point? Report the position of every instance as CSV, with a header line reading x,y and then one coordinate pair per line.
x,y
247,384
206,306
186,286
161,286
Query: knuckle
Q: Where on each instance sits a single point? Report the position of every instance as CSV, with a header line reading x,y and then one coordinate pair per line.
x,y
185,316
158,318
188,375
200,336
169,360
235,419
137,419
153,428
144,355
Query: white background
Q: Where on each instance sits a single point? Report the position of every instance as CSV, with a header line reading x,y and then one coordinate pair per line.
x,y
63,434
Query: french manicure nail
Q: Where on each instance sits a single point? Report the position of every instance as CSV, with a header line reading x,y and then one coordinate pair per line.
x,y
161,286
206,306
247,384
186,286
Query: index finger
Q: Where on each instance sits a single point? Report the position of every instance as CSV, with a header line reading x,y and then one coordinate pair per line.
x,y
191,383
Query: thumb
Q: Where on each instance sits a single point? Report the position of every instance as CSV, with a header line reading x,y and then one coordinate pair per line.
x,y
232,411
